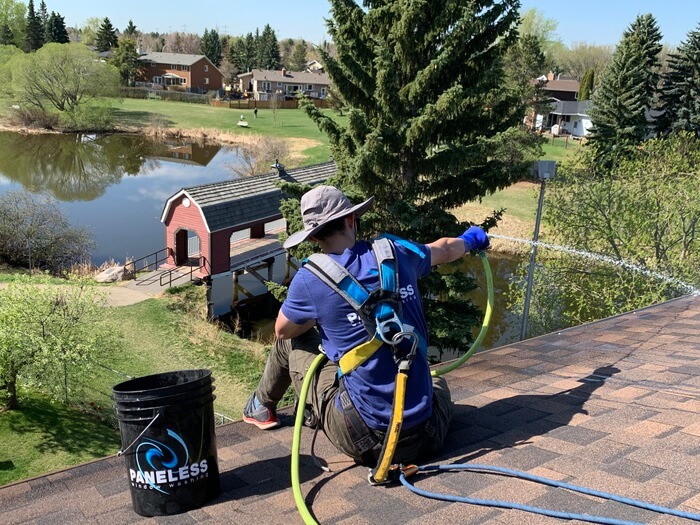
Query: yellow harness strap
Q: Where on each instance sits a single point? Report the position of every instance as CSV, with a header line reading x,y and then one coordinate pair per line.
x,y
358,355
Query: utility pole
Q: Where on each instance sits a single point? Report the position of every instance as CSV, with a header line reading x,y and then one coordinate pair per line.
x,y
546,169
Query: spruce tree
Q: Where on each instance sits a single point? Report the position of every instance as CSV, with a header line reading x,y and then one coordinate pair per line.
x,y
586,87
211,46
106,37
43,15
130,29
242,53
56,29
431,124
297,62
34,38
622,98
268,49
646,31
680,93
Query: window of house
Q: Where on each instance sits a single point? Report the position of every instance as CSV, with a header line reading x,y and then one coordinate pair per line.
x,y
185,68
279,84
309,87
575,124
323,92
183,81
206,68
266,86
206,80
157,80
153,64
567,118
173,66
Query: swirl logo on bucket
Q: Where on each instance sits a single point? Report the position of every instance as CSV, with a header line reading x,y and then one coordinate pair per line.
x,y
160,467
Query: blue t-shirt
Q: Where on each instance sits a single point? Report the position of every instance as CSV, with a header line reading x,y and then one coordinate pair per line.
x,y
371,385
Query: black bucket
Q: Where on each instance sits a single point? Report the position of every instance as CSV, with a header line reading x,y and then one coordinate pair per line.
x,y
167,429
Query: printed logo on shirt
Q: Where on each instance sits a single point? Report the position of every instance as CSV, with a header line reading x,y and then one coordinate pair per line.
x,y
354,319
407,292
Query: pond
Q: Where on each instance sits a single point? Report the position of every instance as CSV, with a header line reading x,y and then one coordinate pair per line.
x,y
115,185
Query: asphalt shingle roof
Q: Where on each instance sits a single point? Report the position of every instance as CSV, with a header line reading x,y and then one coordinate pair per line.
x,y
250,199
611,405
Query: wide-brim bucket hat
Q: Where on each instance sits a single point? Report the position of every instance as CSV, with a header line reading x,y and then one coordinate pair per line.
x,y
320,206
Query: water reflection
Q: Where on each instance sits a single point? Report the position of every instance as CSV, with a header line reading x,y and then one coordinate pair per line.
x,y
83,166
115,185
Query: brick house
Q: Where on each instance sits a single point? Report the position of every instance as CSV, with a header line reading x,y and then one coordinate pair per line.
x,y
190,73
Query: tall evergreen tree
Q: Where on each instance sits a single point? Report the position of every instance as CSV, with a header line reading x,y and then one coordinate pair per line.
x,y
43,15
56,29
268,49
34,38
623,97
680,93
242,53
586,87
646,31
297,61
130,29
211,46
106,37
430,124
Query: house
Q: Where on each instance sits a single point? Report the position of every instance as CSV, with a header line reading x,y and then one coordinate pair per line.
x,y
567,114
190,73
263,83
570,118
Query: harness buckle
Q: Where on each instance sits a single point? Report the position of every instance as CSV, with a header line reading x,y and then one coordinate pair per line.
x,y
388,329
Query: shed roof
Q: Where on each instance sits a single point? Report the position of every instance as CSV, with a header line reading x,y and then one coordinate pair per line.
x,y
250,199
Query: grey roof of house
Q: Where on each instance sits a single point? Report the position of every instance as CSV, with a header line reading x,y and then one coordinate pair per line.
x,y
250,199
567,107
180,59
296,77
611,405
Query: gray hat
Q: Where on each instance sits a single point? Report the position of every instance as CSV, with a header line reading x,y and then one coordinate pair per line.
x,y
320,206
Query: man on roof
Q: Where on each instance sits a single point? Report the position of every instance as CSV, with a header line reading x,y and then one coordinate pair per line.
x,y
351,396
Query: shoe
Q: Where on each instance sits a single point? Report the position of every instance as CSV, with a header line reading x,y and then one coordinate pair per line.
x,y
256,414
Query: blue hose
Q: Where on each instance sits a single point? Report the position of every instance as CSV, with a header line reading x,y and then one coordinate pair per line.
x,y
537,510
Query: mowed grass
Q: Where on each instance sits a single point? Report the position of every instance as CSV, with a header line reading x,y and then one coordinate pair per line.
x,y
154,336
45,436
282,123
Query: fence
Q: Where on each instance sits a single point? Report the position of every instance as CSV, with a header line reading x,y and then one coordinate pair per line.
x,y
249,103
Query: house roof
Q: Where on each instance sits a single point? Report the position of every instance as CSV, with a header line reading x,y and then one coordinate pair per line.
x,y
562,85
568,107
250,199
611,405
290,77
180,59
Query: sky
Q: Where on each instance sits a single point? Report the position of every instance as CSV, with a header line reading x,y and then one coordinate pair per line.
x,y
593,21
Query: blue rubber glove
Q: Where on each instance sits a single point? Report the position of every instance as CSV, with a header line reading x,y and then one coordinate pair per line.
x,y
474,239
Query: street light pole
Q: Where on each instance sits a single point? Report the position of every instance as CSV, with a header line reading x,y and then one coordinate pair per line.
x,y
545,170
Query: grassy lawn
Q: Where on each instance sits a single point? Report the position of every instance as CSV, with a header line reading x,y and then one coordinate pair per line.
x,y
560,149
150,337
284,123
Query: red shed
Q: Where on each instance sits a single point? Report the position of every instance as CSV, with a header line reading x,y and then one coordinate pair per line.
x,y
200,220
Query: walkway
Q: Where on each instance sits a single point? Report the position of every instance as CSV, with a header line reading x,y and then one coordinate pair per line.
x,y
611,405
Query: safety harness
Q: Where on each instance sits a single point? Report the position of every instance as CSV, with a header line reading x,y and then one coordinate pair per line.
x,y
380,311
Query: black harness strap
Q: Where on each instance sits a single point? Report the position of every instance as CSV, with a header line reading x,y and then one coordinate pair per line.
x,y
363,438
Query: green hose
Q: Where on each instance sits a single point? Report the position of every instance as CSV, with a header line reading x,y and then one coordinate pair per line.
x,y
296,442
299,420
484,326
